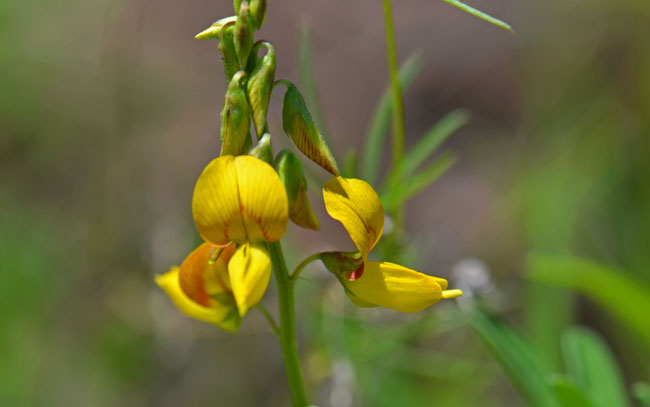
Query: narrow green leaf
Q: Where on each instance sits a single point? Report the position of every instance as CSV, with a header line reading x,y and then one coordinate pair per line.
x,y
375,138
427,145
568,394
402,192
516,358
592,366
349,169
477,13
307,80
616,291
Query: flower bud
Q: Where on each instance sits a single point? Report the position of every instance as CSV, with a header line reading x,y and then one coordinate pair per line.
x,y
260,85
291,174
258,12
235,118
227,50
243,34
213,31
263,150
298,124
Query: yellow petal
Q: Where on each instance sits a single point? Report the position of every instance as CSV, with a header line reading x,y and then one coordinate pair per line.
x,y
356,205
239,199
264,203
222,314
250,271
215,204
393,286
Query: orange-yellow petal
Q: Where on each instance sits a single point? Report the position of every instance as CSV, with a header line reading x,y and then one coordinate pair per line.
x,y
239,199
250,271
356,205
393,286
222,312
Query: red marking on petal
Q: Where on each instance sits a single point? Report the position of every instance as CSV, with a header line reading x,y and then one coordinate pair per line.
x,y
354,274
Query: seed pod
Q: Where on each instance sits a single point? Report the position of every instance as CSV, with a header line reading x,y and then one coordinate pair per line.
x,y
263,150
213,31
243,34
235,118
227,50
260,85
291,174
298,124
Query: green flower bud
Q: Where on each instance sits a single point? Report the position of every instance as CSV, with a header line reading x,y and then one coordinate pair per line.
x,y
258,12
227,50
235,118
263,150
260,85
291,174
243,34
298,124
213,31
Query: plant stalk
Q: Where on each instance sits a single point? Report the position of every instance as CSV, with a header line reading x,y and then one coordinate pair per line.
x,y
399,127
288,341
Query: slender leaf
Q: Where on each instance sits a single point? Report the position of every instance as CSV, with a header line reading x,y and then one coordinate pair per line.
x,y
592,366
375,138
568,394
399,194
349,169
477,13
619,293
427,145
516,357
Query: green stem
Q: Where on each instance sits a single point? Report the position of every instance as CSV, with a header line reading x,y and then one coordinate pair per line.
x,y
303,264
399,127
288,341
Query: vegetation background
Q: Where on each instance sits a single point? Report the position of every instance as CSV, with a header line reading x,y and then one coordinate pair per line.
x,y
110,109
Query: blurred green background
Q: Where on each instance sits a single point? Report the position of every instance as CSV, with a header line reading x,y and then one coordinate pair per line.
x,y
109,110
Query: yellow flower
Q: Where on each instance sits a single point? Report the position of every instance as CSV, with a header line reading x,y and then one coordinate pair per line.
x,y
201,288
357,206
242,200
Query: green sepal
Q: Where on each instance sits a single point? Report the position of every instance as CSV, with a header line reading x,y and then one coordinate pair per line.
x,y
341,263
263,150
291,173
260,85
214,30
227,50
243,34
298,124
235,118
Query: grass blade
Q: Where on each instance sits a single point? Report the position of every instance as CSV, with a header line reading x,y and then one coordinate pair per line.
x,y
516,357
590,363
427,145
614,290
396,195
380,122
477,13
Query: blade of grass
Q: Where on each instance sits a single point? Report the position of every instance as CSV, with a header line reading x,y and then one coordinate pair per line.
x,y
616,291
426,146
477,13
590,363
378,128
515,356
568,395
407,188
